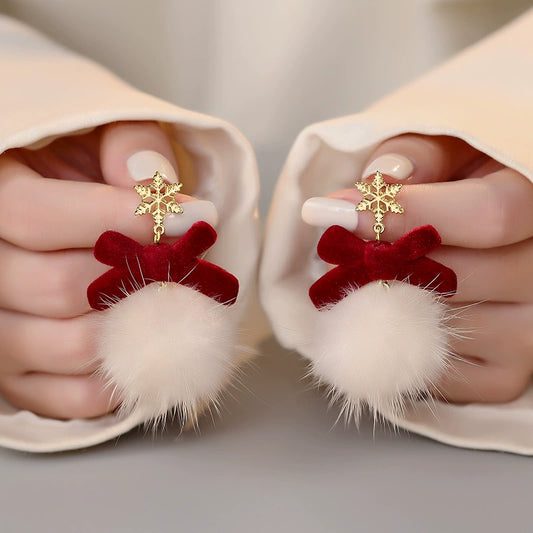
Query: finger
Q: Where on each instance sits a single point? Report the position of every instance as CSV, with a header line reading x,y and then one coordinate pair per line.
x,y
465,382
62,397
29,343
81,152
131,152
499,333
51,284
489,167
48,214
48,164
413,158
474,213
74,157
500,355
493,274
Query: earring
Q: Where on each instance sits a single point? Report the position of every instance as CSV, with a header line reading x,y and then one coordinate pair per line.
x,y
382,326
167,334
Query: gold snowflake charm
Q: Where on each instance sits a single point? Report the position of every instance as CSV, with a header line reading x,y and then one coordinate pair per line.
x,y
158,200
379,197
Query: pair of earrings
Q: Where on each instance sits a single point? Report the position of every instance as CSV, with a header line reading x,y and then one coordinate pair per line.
x,y
157,369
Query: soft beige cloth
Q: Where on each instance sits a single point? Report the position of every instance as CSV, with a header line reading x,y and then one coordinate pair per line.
x,y
269,67
48,92
484,96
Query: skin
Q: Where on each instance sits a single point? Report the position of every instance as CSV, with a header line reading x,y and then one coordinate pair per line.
x,y
77,187
54,204
483,213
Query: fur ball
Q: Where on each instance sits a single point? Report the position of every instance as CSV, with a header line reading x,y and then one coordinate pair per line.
x,y
379,347
167,348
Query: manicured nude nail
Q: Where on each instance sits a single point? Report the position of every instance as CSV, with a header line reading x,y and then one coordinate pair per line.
x,y
193,211
143,165
325,212
394,165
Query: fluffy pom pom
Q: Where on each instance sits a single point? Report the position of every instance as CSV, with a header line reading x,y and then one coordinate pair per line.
x,y
167,348
380,346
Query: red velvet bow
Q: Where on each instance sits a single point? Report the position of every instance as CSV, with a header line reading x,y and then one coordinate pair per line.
x,y
136,265
361,262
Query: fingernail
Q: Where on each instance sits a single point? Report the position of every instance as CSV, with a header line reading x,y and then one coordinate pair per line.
x,y
194,211
394,165
325,212
143,165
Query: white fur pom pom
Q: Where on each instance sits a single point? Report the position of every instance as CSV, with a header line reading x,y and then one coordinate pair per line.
x,y
167,348
380,346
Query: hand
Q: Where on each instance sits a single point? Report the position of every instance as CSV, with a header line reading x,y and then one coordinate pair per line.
x,y
484,214
54,204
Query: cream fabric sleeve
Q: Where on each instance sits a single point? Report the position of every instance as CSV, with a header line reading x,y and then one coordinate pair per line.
x,y
484,96
48,92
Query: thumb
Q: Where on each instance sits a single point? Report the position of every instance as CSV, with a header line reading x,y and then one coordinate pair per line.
x,y
131,153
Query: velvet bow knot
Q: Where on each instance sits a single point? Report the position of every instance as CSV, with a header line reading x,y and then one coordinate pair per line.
x,y
361,262
135,266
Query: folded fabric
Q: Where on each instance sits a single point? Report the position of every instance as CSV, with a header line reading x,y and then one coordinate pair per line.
x,y
483,96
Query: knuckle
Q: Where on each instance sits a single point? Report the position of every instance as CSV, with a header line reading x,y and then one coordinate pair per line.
x,y
91,399
14,183
525,338
496,211
77,346
61,288
6,390
106,198
23,233
498,219
10,392
510,385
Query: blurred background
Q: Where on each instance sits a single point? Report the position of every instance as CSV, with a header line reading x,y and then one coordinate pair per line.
x,y
269,67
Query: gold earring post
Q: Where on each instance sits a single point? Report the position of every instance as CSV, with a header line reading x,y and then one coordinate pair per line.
x,y
379,197
158,200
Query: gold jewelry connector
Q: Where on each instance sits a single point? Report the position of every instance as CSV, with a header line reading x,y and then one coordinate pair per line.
x,y
379,197
158,200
